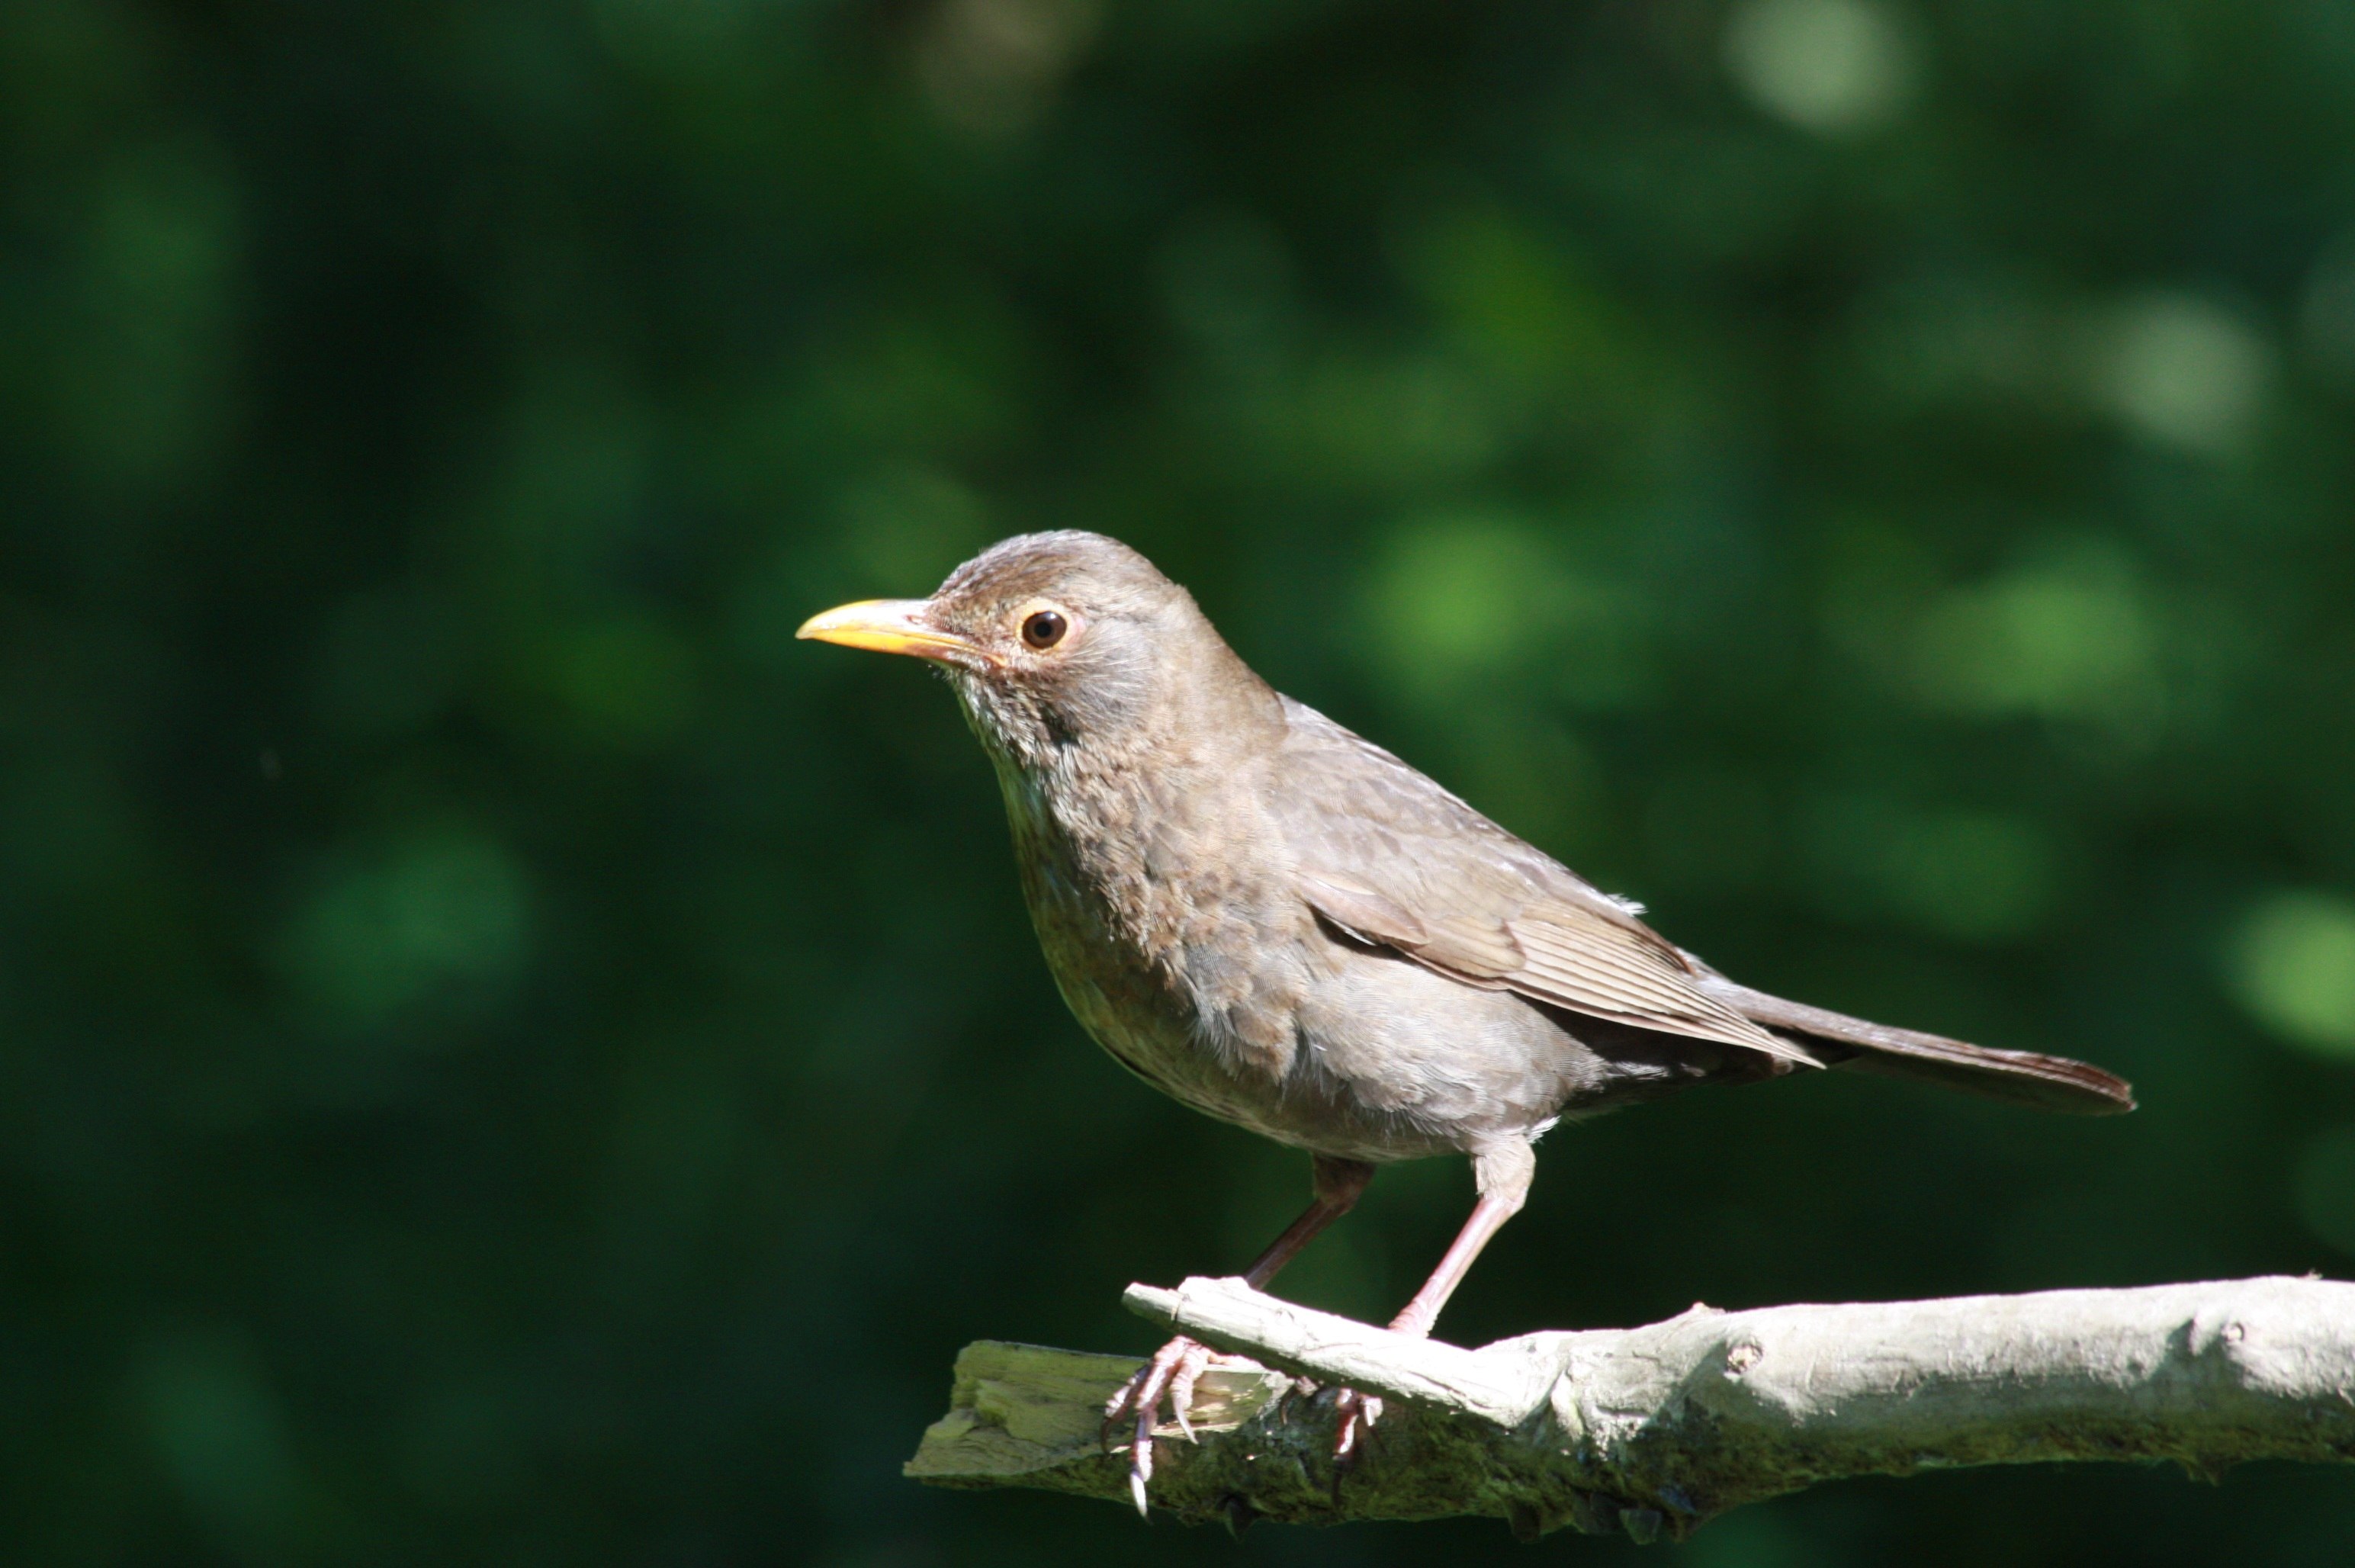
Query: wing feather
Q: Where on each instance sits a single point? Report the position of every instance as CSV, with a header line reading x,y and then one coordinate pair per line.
x,y
1395,860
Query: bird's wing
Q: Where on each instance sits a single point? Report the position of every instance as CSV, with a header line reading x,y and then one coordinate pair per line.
x,y
1394,860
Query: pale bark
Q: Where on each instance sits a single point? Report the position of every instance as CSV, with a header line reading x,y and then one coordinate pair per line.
x,y
1656,1430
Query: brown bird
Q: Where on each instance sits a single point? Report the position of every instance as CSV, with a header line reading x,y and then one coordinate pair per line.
x,y
1285,926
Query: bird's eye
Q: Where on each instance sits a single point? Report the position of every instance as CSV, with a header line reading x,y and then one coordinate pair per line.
x,y
1042,629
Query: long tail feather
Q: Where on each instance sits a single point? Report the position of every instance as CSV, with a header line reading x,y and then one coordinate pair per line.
x,y
2047,1082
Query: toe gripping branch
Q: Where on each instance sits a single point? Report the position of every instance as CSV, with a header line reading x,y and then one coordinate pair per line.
x,y
1174,1373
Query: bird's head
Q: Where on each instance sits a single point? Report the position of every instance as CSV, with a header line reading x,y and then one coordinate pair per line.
x,y
1060,639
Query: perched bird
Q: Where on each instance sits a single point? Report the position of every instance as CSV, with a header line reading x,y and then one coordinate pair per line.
x,y
1285,926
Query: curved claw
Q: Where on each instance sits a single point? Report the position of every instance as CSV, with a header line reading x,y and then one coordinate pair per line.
x,y
1357,1413
1189,1372
1173,1372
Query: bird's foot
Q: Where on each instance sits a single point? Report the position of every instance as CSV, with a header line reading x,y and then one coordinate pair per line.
x,y
1171,1374
1356,1413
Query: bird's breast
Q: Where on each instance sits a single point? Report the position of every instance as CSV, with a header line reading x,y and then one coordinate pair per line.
x,y
1169,952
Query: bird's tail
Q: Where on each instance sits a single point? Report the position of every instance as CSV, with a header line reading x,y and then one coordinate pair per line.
x,y
2024,1078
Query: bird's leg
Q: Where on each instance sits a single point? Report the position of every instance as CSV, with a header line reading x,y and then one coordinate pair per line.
x,y
1503,1173
1337,1185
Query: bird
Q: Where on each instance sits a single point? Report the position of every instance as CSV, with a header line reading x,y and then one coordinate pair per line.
x,y
1279,923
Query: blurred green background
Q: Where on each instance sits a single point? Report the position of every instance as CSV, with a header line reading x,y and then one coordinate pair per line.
x,y
506,1057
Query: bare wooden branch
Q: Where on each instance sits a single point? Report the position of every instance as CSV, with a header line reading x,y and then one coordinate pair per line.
x,y
1656,1430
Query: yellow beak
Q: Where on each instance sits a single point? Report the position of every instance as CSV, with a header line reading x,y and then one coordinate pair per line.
x,y
887,626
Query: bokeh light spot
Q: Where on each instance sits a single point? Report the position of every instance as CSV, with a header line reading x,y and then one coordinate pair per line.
x,y
1459,596
1827,66
148,385
1505,290
442,916
1455,599
2070,637
1976,876
222,1435
990,67
2292,964
2185,371
623,682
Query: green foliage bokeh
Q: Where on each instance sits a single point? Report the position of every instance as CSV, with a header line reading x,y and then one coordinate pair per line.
x,y
506,1056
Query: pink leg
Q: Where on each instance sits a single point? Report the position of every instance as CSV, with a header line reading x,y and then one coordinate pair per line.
x,y
1488,1217
1178,1365
1503,1173
1336,1184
